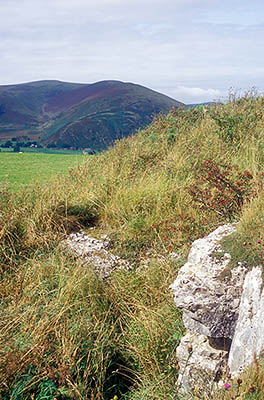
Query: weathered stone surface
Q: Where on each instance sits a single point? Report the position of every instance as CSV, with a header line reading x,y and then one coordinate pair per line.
x,y
201,366
209,299
249,334
227,308
94,253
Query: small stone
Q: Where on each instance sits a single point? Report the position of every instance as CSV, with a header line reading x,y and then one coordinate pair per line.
x,y
174,255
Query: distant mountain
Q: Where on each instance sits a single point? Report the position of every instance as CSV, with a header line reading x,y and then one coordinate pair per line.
x,y
78,115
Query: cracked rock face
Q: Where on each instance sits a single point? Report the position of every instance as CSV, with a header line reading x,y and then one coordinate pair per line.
x,y
209,300
201,366
224,313
94,253
248,340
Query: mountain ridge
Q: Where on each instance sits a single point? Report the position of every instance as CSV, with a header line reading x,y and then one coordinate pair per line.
x,y
65,114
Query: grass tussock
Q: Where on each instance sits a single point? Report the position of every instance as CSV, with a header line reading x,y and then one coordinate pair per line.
x,y
65,333
247,243
64,328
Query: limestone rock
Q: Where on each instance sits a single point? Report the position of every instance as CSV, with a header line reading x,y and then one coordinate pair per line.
x,y
227,308
209,299
95,253
249,334
201,366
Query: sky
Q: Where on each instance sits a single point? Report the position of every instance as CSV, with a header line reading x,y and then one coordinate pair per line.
x,y
191,50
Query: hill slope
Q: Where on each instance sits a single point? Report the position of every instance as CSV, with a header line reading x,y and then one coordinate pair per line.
x,y
80,115
67,334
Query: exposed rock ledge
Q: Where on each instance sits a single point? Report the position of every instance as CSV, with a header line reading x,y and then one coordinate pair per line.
x,y
95,253
222,312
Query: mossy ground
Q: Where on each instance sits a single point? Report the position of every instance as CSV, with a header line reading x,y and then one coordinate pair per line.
x,y
65,333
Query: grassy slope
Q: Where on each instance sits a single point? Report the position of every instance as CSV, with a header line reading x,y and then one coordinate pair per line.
x,y
67,334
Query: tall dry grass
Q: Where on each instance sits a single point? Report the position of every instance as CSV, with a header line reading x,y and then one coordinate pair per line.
x,y
67,334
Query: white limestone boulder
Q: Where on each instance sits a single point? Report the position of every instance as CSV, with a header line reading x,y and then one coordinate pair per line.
x,y
206,290
248,340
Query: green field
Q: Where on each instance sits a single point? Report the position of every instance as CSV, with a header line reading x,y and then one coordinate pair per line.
x,y
26,168
40,150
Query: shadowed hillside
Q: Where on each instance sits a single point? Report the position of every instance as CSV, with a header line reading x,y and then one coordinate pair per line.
x,y
78,115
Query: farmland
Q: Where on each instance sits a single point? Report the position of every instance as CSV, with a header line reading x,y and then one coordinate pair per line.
x,y
20,169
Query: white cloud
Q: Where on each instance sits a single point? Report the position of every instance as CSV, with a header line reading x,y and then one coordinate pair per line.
x,y
182,46
190,95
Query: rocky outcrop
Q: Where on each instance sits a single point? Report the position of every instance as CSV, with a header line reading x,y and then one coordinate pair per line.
x,y
95,253
208,298
248,340
221,308
201,365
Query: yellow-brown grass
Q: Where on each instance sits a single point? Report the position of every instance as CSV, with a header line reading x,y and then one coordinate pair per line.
x,y
67,334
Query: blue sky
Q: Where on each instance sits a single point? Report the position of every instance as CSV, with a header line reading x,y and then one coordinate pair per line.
x,y
191,50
